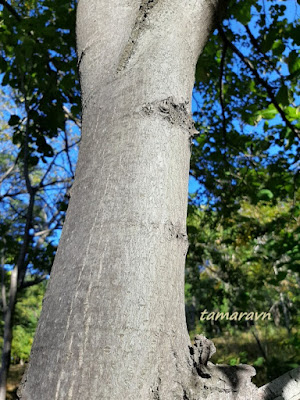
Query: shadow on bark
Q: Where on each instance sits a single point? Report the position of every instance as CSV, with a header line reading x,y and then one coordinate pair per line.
x,y
221,382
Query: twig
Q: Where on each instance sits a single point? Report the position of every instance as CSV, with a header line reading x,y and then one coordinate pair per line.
x,y
268,88
68,155
41,184
6,174
3,288
11,10
256,45
222,93
72,117
33,282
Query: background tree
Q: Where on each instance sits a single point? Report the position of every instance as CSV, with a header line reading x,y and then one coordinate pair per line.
x,y
37,167
246,161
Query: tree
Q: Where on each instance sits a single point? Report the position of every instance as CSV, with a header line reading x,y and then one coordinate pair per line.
x,y
115,301
34,143
246,160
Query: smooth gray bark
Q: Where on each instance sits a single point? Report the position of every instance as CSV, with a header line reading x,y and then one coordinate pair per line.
x,y
286,387
113,319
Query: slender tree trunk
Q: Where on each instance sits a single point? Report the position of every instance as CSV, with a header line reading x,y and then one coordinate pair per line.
x,y
113,321
18,271
8,312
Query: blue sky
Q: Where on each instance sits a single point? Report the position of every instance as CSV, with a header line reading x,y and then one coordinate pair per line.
x,y
292,14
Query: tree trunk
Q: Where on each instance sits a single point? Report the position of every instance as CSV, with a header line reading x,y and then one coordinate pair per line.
x,y
18,271
113,321
8,311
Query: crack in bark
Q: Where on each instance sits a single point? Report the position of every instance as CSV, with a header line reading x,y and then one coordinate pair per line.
x,y
185,396
174,112
139,26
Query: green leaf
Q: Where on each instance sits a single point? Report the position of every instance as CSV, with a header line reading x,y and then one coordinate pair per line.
x,y
259,362
14,120
192,229
242,12
283,96
268,42
294,62
292,113
268,113
278,47
265,194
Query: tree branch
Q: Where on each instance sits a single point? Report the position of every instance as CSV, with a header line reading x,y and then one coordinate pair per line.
x,y
3,288
7,194
33,282
11,10
53,161
6,174
260,80
274,389
253,40
267,59
26,238
222,93
72,117
68,155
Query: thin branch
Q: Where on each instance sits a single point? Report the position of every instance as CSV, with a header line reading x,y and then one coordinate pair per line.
x,y
53,162
26,239
33,282
256,45
31,191
3,288
42,233
19,214
72,117
54,182
6,174
253,40
68,155
259,344
26,155
7,194
221,86
53,219
46,232
11,10
260,80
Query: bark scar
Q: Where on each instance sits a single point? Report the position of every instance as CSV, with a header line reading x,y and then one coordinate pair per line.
x,y
174,231
139,26
174,112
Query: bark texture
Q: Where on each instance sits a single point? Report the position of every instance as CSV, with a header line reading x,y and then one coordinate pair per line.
x,y
286,387
113,320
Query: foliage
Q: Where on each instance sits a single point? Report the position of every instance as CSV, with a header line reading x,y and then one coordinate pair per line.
x,y
241,347
243,219
27,313
28,308
39,137
39,85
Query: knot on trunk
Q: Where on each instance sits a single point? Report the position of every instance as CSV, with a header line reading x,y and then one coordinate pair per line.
x,y
176,113
201,352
